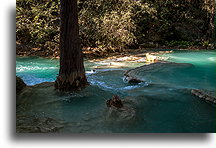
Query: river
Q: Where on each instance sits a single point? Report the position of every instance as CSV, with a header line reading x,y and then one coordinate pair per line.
x,y
161,104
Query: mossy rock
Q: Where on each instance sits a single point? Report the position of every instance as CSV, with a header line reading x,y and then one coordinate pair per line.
x,y
20,85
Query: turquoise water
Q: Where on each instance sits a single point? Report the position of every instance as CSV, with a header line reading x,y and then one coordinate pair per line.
x,y
203,74
34,70
163,103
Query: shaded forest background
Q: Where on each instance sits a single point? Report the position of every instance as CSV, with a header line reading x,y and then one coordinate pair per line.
x,y
114,25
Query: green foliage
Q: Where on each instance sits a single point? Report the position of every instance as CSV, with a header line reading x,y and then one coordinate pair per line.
x,y
111,24
185,20
37,21
207,43
107,24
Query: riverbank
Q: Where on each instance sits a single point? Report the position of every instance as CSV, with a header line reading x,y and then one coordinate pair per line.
x,y
100,53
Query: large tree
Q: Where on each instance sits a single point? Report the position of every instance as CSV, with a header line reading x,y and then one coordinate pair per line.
x,y
72,73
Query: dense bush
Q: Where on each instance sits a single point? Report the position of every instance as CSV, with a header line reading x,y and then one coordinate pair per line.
x,y
180,20
118,23
37,21
108,23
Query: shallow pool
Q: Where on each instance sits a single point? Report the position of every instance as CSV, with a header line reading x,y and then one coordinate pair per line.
x,y
163,103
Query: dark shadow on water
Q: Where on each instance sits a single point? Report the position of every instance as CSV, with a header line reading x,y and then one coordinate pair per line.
x,y
75,137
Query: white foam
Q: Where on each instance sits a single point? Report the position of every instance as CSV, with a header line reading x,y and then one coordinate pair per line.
x,y
212,59
32,68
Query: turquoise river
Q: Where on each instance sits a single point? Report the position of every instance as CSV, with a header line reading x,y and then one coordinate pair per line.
x,y
162,104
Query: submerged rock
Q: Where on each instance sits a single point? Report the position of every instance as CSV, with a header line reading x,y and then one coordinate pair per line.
x,y
121,114
158,66
161,67
120,110
27,93
132,80
38,125
205,95
20,85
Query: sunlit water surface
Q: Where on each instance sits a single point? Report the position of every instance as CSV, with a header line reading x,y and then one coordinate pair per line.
x,y
163,103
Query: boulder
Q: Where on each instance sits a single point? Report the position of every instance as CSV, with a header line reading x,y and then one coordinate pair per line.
x,y
132,80
20,85
114,102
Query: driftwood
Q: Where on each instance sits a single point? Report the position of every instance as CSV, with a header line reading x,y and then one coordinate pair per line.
x,y
204,95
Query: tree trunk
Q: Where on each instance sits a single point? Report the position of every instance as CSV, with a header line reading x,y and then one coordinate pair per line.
x,y
72,73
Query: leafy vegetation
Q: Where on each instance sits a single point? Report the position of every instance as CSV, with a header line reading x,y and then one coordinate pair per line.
x,y
119,24
37,23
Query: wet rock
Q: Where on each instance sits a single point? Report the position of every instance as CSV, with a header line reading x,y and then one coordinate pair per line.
x,y
120,110
121,114
205,95
20,85
38,125
125,113
151,58
158,65
132,80
114,102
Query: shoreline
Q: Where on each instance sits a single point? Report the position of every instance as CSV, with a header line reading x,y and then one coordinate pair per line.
x,y
96,54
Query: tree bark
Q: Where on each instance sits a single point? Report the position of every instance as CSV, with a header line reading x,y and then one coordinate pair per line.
x,y
72,73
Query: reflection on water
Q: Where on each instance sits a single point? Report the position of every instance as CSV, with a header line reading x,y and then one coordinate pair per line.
x,y
163,103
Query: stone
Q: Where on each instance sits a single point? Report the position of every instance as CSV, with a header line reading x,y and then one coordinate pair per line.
x,y
132,80
151,58
126,113
114,102
20,85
